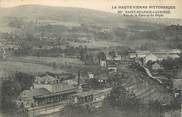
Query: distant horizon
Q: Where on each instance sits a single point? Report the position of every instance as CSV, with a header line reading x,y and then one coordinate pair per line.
x,y
99,5
85,9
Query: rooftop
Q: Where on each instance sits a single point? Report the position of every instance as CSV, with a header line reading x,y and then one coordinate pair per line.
x,y
53,78
92,92
34,92
45,79
62,76
73,90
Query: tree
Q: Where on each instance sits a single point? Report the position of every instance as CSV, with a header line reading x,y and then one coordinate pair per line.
x,y
156,107
12,88
25,49
25,80
16,23
83,53
123,51
121,98
89,59
150,63
112,54
170,63
101,56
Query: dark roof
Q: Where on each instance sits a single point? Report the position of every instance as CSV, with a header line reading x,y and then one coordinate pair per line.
x,y
62,76
73,90
102,77
93,92
47,78
34,92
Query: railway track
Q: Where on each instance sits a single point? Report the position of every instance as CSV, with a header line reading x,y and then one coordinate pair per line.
x,y
148,88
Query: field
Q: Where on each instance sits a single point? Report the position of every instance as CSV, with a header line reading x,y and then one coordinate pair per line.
x,y
11,66
32,64
98,44
48,60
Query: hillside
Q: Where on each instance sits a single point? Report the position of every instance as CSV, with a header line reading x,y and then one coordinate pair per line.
x,y
67,14
78,26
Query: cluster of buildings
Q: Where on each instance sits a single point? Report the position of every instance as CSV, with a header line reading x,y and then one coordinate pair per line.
x,y
146,56
7,50
110,62
51,93
7,47
54,83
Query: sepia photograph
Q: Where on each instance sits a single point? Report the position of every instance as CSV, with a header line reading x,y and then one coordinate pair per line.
x,y
90,58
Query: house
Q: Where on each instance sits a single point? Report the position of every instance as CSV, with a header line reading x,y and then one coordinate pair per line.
x,y
140,55
162,56
40,101
90,75
27,96
156,66
103,63
117,58
101,79
177,84
46,79
112,68
54,83
150,57
132,55
146,56
165,54
174,56
173,51
48,85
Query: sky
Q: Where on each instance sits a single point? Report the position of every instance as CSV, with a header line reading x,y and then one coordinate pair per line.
x,y
104,5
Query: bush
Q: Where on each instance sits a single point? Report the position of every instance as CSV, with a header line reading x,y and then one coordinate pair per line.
x,y
12,88
121,98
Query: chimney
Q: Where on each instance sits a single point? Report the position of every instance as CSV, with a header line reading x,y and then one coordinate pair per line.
x,y
78,78
79,86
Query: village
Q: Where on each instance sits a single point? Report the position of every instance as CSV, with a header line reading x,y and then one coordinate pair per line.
x,y
140,73
63,62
